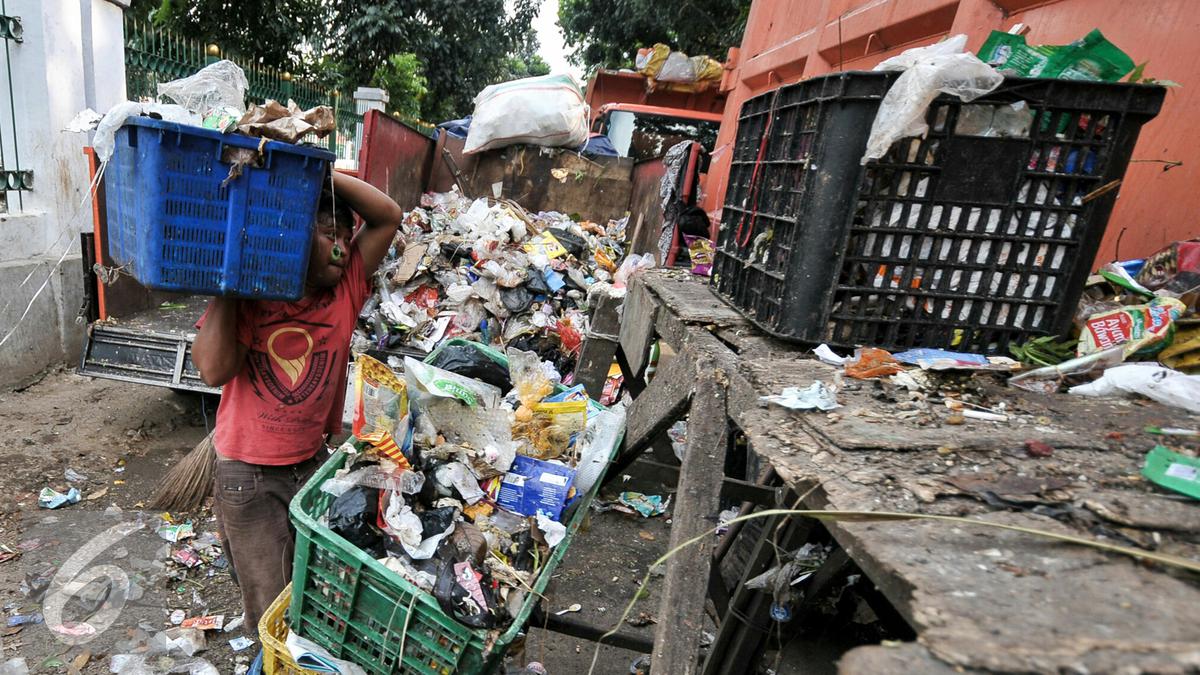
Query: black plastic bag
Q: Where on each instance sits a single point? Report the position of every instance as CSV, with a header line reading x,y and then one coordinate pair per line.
x,y
537,283
453,251
353,516
469,362
516,300
467,595
574,243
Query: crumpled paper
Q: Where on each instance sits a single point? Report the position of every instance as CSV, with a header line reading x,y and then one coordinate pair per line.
x,y
817,395
288,124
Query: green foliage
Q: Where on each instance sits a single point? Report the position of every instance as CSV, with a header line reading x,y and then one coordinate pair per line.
x,y
269,32
433,56
404,80
464,46
1047,350
608,34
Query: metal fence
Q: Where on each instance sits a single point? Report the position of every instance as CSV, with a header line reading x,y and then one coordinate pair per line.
x,y
154,55
14,180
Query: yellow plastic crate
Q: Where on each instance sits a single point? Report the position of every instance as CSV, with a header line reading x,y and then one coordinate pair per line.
x,y
272,630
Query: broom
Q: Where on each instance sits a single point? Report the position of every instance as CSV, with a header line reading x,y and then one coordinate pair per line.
x,y
188,483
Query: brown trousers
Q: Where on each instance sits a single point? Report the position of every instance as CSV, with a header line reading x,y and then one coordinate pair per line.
x,y
251,504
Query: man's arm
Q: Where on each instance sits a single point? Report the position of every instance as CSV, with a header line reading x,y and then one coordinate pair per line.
x,y
380,214
216,351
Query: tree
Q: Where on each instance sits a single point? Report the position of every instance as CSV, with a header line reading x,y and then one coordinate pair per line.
x,y
463,46
268,32
525,60
404,80
608,34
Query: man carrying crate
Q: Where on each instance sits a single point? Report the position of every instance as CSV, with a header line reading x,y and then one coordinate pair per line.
x,y
283,369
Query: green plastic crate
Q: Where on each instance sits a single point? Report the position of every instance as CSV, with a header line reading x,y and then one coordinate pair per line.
x,y
353,606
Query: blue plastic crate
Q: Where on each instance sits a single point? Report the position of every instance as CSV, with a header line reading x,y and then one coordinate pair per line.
x,y
178,228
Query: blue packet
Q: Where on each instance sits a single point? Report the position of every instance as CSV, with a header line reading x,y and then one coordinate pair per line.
x,y
533,486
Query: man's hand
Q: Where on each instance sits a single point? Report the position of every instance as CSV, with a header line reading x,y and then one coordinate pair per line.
x,y
380,214
216,351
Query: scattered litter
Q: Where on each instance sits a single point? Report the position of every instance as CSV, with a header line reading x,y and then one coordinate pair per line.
x,y
828,356
1173,471
1038,449
240,642
24,619
234,623
552,530
73,476
177,616
97,494
642,619
940,359
818,396
871,362
49,498
723,519
647,506
646,535
176,533
569,610
1153,381
208,622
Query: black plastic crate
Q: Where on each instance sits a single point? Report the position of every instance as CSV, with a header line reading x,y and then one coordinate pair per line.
x,y
970,238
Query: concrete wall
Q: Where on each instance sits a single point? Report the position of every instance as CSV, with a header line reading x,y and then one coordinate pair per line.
x,y
72,58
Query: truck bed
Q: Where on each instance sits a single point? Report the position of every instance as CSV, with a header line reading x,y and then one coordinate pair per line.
x,y
149,347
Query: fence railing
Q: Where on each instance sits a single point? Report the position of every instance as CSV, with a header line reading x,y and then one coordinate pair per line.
x,y
13,178
154,55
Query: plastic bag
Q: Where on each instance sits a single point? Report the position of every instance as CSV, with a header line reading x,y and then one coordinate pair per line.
x,y
700,251
631,266
547,110
104,142
529,380
1144,330
869,362
942,68
1169,387
418,534
467,595
1091,58
469,361
218,85
353,516
380,407
597,443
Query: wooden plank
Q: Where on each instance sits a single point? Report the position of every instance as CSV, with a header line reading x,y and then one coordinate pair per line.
x,y
959,587
599,346
637,324
663,402
688,297
681,616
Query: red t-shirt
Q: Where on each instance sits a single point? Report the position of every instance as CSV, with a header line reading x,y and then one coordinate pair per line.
x,y
292,387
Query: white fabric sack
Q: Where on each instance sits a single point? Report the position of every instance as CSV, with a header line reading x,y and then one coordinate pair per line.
x,y
547,110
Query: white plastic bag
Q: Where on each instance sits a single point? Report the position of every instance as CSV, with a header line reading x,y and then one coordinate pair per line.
x,y
218,85
942,68
105,142
547,110
597,442
1167,386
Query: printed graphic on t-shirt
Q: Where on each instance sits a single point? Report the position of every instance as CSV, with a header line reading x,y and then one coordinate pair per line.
x,y
293,366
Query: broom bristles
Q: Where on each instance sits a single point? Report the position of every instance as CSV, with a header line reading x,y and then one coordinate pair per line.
x,y
188,483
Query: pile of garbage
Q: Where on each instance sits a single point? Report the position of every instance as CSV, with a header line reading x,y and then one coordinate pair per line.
x,y
462,470
488,271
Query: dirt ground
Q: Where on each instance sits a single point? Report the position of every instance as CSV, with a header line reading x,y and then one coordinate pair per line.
x,y
123,437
